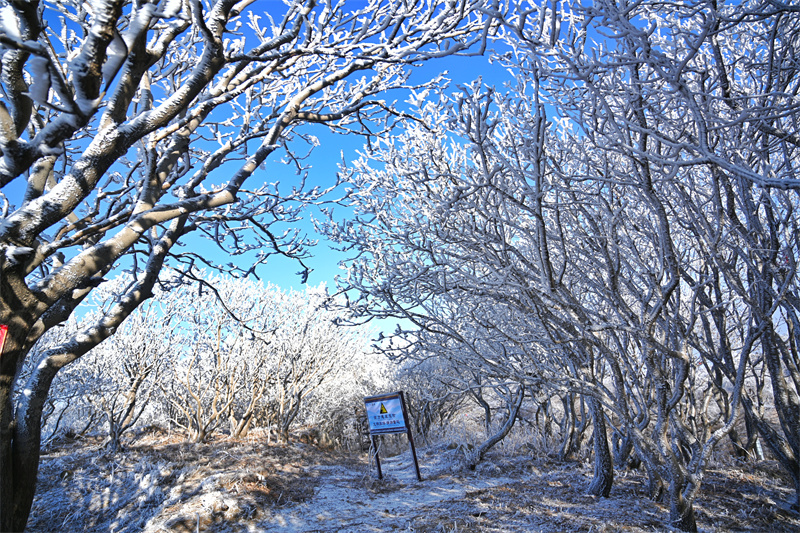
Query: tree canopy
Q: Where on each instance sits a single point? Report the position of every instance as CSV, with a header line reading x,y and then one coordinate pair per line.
x,y
126,125
621,224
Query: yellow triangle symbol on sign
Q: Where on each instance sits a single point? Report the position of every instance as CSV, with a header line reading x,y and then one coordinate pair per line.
x,y
383,410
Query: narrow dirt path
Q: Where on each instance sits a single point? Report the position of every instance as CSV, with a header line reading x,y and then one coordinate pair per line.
x,y
350,499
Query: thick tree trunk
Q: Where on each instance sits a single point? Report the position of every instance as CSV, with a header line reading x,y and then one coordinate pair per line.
x,y
603,465
200,434
20,448
787,404
20,430
16,479
19,442
681,512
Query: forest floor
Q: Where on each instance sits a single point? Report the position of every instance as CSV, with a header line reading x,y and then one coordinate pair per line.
x,y
161,485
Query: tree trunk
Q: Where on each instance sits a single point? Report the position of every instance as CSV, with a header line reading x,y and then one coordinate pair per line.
x,y
787,403
681,512
128,417
288,416
623,450
242,428
20,442
114,442
568,442
779,448
603,465
513,410
739,449
655,484
18,471
487,410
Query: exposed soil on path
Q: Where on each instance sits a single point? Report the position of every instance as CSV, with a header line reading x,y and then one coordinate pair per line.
x,y
225,486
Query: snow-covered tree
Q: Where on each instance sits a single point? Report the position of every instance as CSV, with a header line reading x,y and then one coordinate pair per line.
x,y
688,107
219,374
252,355
123,373
308,349
449,230
126,125
623,224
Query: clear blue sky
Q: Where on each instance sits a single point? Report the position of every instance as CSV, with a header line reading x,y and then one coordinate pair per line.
x,y
323,166
324,163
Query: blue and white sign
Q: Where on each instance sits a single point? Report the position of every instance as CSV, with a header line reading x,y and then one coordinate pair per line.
x,y
385,414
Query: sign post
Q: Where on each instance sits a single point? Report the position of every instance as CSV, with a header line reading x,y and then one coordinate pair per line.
x,y
387,414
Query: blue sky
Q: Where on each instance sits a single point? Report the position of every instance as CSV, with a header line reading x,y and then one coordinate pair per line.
x,y
322,168
324,163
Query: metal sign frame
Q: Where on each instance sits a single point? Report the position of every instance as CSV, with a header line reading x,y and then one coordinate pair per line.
x,y
387,414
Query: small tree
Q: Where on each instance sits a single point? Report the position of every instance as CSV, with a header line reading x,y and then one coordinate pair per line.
x,y
307,350
128,368
250,354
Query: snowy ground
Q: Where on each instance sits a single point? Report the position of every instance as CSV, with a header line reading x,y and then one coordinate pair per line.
x,y
160,485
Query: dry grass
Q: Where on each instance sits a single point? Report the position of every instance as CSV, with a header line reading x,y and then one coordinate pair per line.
x,y
161,484
548,496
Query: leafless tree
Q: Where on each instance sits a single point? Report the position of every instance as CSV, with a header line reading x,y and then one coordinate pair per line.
x,y
205,385
217,372
614,232
309,349
255,355
127,368
118,378
459,268
709,135
126,125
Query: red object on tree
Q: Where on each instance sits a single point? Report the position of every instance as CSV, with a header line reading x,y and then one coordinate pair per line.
x,y
3,330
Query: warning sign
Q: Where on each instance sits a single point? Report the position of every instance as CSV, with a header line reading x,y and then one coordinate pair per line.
x,y
385,414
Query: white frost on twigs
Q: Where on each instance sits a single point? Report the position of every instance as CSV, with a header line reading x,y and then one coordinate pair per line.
x,y
139,23
117,53
417,99
40,76
9,22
